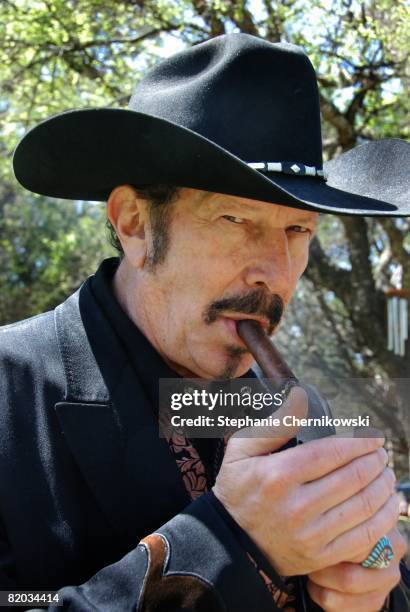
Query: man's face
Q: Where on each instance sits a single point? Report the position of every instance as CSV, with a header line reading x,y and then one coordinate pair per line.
x,y
228,258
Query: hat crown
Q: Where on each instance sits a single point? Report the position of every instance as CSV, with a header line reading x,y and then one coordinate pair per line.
x,y
258,100
194,115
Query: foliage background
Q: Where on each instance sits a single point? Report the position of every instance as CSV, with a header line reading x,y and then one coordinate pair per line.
x,y
57,55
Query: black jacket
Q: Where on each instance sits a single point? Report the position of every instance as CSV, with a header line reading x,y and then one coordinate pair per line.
x,y
77,495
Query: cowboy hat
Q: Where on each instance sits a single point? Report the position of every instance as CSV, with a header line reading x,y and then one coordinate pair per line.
x,y
235,115
378,169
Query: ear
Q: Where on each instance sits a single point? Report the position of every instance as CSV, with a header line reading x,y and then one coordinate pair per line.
x,y
128,215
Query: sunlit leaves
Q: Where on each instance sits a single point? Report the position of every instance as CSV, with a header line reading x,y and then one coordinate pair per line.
x,y
46,251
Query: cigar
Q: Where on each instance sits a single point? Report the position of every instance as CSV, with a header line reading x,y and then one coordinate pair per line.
x,y
266,354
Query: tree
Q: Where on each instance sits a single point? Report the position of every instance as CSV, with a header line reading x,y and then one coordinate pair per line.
x,y
46,251
57,55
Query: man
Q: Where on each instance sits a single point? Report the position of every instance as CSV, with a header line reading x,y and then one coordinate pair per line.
x,y
214,181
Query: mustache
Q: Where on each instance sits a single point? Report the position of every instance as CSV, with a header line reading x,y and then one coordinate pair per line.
x,y
258,302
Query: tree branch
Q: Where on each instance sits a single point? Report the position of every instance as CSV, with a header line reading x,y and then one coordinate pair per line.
x,y
396,238
358,100
323,274
366,304
240,15
345,130
274,24
340,339
209,15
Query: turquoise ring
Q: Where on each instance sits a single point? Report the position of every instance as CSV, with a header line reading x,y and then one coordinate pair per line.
x,y
381,555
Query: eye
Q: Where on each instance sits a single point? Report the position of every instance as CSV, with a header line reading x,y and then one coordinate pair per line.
x,y
299,229
237,220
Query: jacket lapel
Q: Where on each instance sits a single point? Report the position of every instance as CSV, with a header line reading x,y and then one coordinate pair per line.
x,y
109,425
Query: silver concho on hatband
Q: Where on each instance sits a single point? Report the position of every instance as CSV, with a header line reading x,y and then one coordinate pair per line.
x,y
293,168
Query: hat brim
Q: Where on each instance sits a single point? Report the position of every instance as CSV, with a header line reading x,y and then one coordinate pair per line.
x,y
84,154
377,169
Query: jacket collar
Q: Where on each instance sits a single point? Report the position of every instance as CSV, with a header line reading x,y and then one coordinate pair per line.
x,y
109,425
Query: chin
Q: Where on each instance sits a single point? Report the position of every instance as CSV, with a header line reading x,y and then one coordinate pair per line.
x,y
230,366
243,368
224,362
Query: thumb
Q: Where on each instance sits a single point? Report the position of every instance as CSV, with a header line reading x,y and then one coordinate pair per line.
x,y
257,441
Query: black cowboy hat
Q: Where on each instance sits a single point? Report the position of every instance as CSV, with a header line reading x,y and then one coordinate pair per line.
x,y
235,115
378,169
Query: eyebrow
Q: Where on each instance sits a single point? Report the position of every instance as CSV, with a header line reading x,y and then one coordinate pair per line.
x,y
249,208
299,219
305,219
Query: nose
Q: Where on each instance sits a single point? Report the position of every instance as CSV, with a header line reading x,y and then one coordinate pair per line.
x,y
270,265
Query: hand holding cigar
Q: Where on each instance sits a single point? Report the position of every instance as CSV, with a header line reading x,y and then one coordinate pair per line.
x,y
307,507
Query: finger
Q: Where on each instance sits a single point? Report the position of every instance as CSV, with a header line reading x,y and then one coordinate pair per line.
x,y
360,507
355,579
397,541
334,601
343,483
257,441
313,460
361,539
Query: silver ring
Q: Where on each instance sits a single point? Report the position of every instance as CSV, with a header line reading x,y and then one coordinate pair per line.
x,y
381,555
